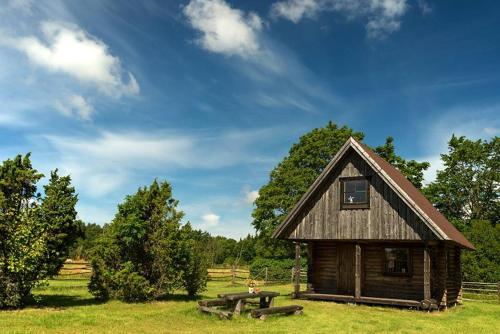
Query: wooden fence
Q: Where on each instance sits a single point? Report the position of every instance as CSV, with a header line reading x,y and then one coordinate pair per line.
x,y
481,290
75,270
228,274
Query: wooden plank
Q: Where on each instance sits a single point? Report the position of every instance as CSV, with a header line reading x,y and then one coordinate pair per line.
x,y
357,274
310,267
245,295
289,309
427,274
324,296
297,268
220,313
212,302
390,301
367,300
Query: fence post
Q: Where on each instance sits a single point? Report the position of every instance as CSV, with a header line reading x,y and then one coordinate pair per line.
x,y
265,279
233,275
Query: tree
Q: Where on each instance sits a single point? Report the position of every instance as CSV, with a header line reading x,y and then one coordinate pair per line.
x,y
290,179
468,187
35,232
466,191
59,216
144,253
411,169
482,265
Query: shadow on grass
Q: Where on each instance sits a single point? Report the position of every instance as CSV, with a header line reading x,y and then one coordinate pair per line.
x,y
63,301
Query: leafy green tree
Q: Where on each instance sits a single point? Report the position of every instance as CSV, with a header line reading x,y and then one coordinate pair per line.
x,y
290,179
466,191
468,187
35,232
413,170
146,250
482,265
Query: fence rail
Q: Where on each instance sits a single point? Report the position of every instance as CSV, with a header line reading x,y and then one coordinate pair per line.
x,y
481,290
75,269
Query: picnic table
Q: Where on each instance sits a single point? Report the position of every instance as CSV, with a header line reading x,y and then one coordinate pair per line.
x,y
239,299
234,303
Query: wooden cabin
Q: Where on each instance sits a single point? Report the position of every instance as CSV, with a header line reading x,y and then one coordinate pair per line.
x,y
372,237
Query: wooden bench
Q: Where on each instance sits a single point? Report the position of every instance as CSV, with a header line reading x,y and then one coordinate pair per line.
x,y
262,313
213,302
223,315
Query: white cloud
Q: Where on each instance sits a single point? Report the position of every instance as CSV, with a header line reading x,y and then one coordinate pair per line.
x,y
68,49
382,16
75,105
251,196
23,5
210,220
224,29
295,10
385,18
424,7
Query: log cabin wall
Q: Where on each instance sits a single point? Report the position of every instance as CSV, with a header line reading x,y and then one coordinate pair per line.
x,y
454,277
323,274
439,273
387,218
378,284
323,268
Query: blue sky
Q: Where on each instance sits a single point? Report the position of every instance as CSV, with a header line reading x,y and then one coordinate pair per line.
x,y
210,94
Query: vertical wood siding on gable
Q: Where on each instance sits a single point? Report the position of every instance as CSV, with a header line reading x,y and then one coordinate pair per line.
x,y
388,217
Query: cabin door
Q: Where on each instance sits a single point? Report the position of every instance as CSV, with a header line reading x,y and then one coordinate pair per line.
x,y
345,269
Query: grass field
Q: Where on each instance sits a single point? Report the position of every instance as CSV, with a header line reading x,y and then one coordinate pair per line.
x,y
65,306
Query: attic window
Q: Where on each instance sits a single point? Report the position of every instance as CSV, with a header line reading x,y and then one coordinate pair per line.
x,y
355,193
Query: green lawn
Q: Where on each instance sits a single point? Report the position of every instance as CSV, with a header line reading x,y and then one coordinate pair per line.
x,y
66,307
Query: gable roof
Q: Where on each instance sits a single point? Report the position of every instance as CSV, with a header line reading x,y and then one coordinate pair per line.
x,y
424,209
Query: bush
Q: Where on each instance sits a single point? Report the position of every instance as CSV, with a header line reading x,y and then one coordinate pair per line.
x,y
129,286
145,253
277,270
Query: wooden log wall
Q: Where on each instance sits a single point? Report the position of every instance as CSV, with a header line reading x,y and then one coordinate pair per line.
x,y
388,217
439,274
324,268
454,277
324,276
376,284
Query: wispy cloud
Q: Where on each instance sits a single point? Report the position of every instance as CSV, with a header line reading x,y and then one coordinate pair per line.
x,y
122,154
296,10
75,105
381,17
